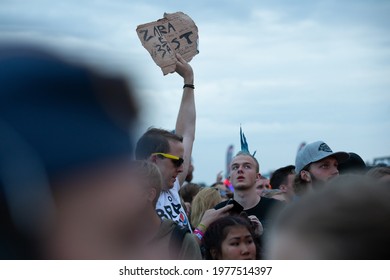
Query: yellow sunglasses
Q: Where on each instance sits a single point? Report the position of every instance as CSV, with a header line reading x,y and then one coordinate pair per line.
x,y
177,161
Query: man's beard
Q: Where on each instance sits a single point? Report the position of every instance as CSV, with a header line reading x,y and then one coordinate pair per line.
x,y
316,184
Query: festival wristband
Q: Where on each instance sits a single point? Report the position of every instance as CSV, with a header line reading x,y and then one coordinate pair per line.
x,y
202,227
189,86
198,233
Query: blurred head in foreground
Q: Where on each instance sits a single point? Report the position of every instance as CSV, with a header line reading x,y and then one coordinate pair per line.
x,y
347,220
65,146
380,173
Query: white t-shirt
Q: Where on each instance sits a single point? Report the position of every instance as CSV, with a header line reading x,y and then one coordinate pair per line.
x,y
169,206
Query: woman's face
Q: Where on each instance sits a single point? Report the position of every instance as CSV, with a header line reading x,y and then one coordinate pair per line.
x,y
238,244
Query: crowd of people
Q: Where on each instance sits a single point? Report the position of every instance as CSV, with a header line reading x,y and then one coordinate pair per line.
x,y
75,184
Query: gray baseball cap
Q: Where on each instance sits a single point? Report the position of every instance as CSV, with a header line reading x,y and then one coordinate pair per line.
x,y
314,152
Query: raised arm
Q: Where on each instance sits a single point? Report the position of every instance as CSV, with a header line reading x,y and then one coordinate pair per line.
x,y
186,119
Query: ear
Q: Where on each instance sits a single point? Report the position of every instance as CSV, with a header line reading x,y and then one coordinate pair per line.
x,y
152,194
214,254
258,176
283,188
153,158
305,175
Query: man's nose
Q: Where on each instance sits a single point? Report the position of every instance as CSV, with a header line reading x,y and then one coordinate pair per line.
x,y
335,171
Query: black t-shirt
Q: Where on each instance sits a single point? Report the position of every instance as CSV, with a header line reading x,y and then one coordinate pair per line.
x,y
265,211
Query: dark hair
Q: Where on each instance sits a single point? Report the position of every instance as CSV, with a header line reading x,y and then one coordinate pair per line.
x,y
217,232
155,140
188,191
279,177
242,153
301,186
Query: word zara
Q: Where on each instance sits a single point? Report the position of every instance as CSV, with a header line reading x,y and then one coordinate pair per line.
x,y
159,31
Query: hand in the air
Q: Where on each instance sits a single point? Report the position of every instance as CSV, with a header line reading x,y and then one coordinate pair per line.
x,y
184,69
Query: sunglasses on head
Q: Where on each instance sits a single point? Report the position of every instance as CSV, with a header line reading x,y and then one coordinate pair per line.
x,y
177,161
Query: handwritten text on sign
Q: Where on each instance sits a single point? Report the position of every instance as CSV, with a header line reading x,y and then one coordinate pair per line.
x,y
175,33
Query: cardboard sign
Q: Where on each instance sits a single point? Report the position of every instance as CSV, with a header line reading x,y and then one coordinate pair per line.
x,y
175,33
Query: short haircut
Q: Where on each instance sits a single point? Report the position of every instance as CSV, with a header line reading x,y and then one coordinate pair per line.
x,y
270,193
279,177
188,191
242,153
155,140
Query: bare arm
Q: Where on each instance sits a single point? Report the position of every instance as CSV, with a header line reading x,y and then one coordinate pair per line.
x,y
186,119
212,215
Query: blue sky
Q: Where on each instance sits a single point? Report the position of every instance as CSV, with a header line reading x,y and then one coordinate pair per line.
x,y
288,71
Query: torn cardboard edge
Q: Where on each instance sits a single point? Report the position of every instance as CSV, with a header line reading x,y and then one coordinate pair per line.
x,y
174,33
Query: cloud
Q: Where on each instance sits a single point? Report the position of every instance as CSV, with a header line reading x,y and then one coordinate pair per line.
x,y
287,71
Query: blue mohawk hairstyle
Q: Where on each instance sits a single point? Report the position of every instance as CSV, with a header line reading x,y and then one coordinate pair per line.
x,y
244,143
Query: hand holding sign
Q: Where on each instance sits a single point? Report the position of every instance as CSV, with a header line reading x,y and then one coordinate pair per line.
x,y
184,70
163,39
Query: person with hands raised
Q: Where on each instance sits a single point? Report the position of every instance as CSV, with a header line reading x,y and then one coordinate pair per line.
x,y
171,151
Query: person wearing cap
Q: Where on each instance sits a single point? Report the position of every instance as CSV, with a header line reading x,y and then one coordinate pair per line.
x,y
316,164
354,165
